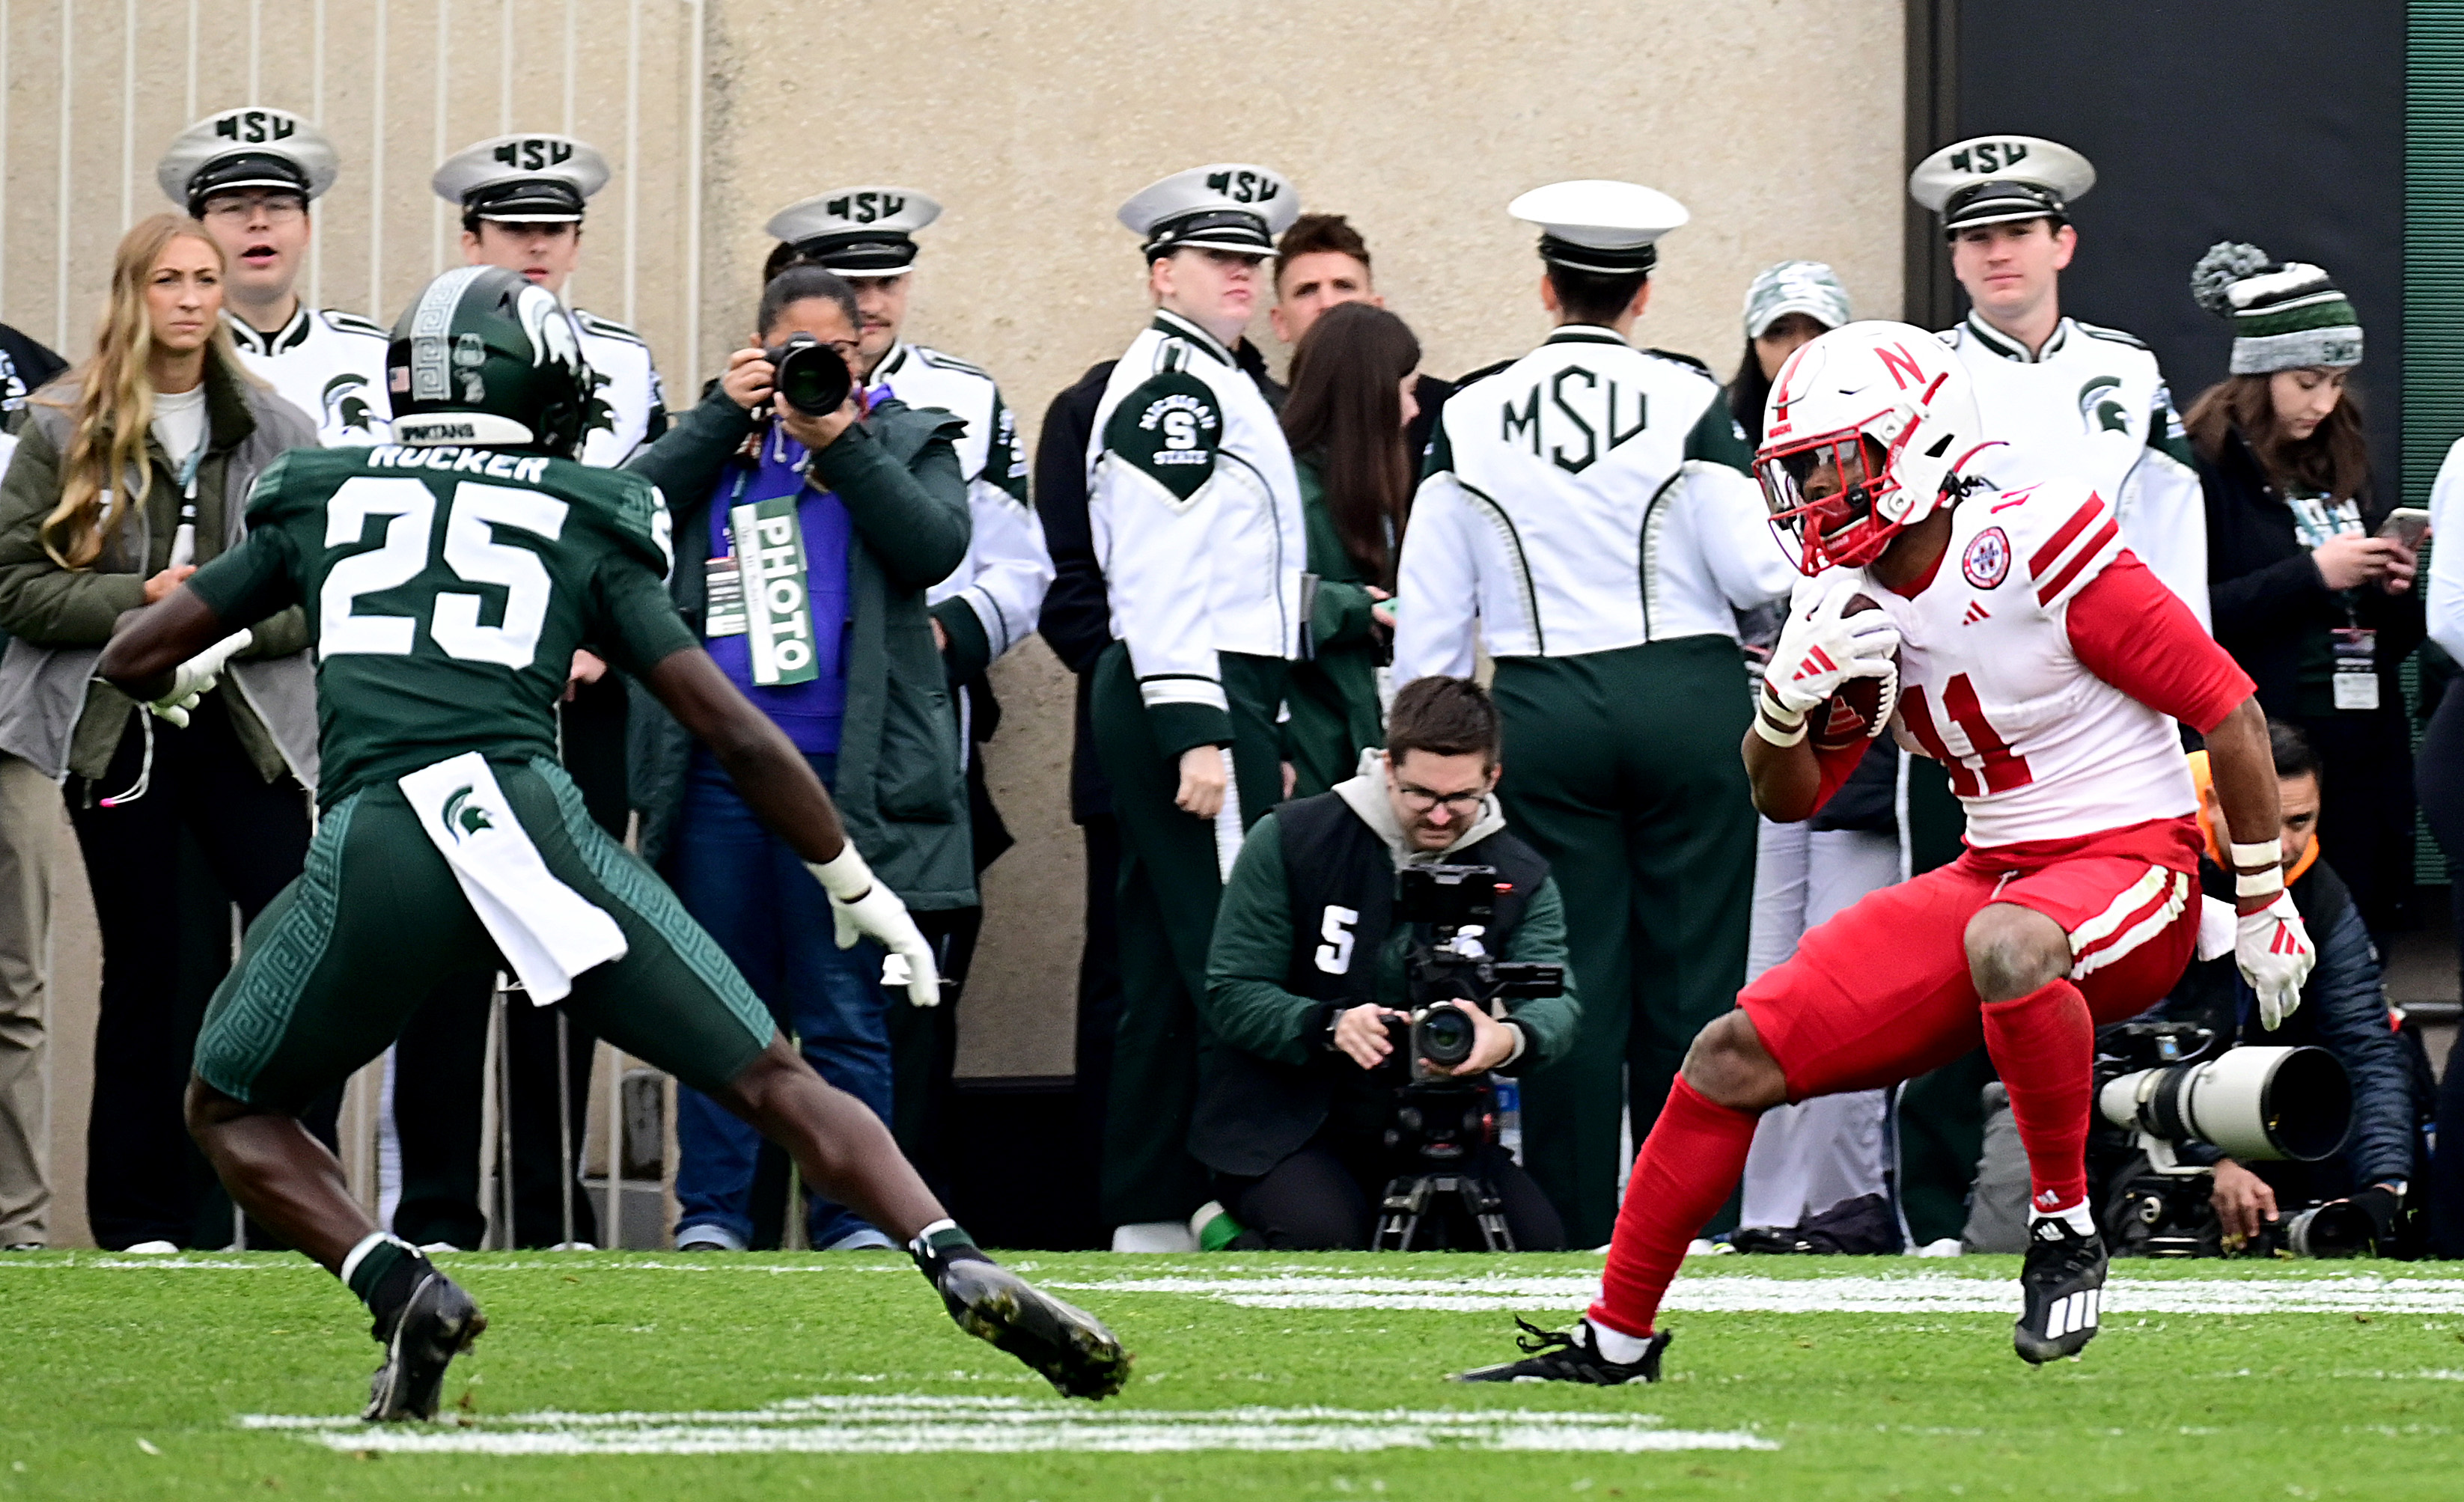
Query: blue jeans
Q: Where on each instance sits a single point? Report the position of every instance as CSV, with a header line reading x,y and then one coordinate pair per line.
x,y
752,893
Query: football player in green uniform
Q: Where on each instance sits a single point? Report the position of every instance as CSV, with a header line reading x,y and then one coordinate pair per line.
x,y
447,580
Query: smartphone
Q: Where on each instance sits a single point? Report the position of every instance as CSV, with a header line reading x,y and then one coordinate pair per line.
x,y
2408,525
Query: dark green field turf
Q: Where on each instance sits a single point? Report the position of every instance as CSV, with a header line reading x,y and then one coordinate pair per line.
x,y
123,1380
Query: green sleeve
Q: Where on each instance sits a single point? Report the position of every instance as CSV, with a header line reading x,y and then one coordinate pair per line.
x,y
686,460
1548,1022
1247,1005
253,581
1718,437
636,620
1341,614
912,516
39,599
2164,431
1004,461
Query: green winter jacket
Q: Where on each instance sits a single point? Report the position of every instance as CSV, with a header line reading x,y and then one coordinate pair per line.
x,y
899,789
1332,699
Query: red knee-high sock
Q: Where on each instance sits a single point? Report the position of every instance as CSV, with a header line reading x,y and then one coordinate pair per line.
x,y
2043,1044
1695,1155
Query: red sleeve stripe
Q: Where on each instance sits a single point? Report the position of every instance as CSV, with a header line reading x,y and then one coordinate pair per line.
x,y
2045,556
2052,588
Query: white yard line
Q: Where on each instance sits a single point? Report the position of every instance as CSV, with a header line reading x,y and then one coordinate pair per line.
x,y
925,1424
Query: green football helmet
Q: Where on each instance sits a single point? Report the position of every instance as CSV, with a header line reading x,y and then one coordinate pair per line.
x,y
484,358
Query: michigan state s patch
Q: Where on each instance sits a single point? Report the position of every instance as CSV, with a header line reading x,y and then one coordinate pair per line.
x,y
1170,427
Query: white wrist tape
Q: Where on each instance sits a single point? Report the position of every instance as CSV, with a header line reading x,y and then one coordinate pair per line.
x,y
2259,883
843,875
1773,733
2258,853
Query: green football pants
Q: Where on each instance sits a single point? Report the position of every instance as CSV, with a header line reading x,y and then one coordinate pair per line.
x,y
1169,888
1622,769
340,960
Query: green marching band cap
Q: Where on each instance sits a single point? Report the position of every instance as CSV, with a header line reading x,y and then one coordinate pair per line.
x,y
1808,287
856,232
2286,314
2000,179
1234,206
239,149
522,179
1597,224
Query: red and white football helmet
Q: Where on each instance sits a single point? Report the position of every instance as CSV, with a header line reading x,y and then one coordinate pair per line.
x,y
1864,433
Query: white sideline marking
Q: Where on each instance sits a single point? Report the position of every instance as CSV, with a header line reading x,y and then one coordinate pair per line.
x,y
917,1425
1915,1294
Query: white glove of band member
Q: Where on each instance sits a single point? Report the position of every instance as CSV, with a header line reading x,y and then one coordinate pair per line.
x,y
1820,649
860,907
190,679
2273,950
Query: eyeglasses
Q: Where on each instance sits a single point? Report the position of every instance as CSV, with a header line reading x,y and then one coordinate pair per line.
x,y
273,209
1421,800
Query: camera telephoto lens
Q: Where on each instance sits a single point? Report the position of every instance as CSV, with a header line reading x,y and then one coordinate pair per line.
x,y
809,375
2338,1228
1443,1035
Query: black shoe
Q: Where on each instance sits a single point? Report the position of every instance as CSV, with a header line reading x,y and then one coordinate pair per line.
x,y
436,1324
1568,1355
2064,1280
1070,1346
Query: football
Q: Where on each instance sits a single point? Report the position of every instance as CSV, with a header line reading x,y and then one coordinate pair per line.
x,y
1848,717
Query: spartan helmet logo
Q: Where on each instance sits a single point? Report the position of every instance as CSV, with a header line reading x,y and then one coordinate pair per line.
x,y
2100,409
346,406
462,816
552,341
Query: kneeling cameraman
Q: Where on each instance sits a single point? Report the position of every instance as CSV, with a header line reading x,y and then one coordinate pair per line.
x,y
1299,1076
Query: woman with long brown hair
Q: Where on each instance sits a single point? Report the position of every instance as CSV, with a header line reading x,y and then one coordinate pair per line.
x,y
1349,403
133,469
2317,607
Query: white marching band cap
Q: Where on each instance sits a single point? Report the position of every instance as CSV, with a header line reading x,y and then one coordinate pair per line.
x,y
1998,179
856,232
251,147
522,179
1232,206
1599,225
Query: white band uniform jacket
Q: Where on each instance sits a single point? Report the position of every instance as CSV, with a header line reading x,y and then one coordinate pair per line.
x,y
1196,510
628,383
329,364
1007,566
1584,499
2092,405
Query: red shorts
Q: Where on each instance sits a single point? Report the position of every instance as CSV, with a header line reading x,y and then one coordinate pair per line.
x,y
1881,992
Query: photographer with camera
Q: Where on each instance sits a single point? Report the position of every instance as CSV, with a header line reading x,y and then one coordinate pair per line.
x,y
2344,1010
810,518
1310,1067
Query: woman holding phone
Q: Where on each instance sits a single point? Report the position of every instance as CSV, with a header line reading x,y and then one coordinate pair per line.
x,y
2310,579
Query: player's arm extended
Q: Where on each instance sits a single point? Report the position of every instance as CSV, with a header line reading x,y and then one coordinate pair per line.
x,y
195,622
150,644
775,780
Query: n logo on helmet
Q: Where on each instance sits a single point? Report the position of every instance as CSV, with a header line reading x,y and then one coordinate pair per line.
x,y
1902,364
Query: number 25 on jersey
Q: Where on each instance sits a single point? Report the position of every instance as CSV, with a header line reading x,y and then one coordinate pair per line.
x,y
469,550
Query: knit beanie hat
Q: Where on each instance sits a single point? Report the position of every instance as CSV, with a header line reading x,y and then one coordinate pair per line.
x,y
2285,315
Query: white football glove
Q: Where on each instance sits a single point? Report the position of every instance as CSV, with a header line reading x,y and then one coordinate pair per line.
x,y
860,907
190,679
1820,649
2273,950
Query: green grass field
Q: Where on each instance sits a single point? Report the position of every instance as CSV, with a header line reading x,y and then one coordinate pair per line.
x,y
773,1376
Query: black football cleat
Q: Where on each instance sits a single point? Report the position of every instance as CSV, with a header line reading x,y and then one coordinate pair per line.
x,y
1070,1346
436,1324
2063,1282
1568,1355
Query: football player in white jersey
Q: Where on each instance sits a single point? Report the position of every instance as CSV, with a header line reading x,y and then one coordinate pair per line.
x,y
251,175
2010,635
521,199
987,605
2069,400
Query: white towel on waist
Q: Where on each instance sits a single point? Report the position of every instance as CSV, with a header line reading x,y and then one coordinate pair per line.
x,y
548,931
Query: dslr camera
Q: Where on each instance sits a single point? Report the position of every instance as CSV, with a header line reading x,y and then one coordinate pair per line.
x,y
809,375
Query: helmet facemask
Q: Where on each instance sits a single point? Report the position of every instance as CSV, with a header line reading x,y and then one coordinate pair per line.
x,y
1832,498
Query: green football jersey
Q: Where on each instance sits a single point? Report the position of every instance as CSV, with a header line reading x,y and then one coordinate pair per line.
x,y
445,590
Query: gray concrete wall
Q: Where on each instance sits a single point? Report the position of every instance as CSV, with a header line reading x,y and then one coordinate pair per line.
x,y
1031,122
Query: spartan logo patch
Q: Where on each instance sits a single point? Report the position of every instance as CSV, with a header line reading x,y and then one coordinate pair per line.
x,y
2100,410
1170,429
462,816
1987,563
346,404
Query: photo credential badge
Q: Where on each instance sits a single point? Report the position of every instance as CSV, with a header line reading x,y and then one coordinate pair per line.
x,y
770,560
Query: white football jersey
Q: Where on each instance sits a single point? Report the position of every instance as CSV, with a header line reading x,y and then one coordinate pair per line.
x,y
329,364
2092,405
1007,567
628,383
2038,747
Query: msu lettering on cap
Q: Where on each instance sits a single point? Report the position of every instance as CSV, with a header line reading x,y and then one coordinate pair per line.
x,y
1600,225
1232,206
1999,179
856,232
522,179
240,150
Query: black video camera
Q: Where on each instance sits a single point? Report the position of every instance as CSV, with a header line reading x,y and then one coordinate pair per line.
x,y
1457,902
809,375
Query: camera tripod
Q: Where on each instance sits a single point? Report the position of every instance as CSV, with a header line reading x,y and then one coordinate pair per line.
x,y
1411,1196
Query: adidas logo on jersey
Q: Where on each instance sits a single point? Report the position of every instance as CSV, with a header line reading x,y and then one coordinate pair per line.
x,y
1975,612
2073,1312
